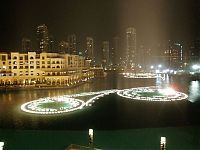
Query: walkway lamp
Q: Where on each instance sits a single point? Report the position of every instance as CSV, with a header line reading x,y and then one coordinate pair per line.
x,y
1,145
91,138
163,143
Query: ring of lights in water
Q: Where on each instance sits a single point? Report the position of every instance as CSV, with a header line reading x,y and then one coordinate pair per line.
x,y
53,105
152,94
67,103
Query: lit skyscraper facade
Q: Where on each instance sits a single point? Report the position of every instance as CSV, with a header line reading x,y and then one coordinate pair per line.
x,y
89,48
115,52
131,47
194,52
72,44
105,56
175,55
42,38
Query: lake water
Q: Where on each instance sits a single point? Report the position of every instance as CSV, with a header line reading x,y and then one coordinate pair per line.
x,y
110,114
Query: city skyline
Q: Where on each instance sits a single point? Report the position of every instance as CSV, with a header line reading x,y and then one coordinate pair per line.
x,y
155,21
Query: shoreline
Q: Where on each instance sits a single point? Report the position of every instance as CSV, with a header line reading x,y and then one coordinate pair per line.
x,y
39,87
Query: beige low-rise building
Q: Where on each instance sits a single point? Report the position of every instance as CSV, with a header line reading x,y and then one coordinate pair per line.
x,y
44,68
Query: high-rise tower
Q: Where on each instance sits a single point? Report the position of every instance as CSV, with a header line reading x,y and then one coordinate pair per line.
x,y
115,53
63,47
131,47
89,48
72,44
26,45
105,57
42,38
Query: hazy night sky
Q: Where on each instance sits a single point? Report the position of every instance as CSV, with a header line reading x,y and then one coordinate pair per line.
x,y
154,20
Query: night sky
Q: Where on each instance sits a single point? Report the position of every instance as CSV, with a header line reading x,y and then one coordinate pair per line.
x,y
155,20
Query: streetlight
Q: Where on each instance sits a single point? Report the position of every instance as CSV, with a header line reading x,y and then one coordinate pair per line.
x,y
1,145
91,138
163,143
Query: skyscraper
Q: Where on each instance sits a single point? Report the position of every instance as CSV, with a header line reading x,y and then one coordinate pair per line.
x,y
131,47
194,52
42,38
90,48
115,53
105,56
26,45
175,55
64,47
72,44
52,44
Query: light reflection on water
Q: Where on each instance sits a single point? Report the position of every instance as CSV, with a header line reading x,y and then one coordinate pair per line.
x,y
194,91
10,102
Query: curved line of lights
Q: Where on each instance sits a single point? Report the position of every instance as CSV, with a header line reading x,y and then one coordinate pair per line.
x,y
166,94
33,106
76,104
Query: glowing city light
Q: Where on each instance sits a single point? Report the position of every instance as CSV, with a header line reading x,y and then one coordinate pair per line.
x,y
53,105
152,94
140,75
68,103
163,143
195,67
1,145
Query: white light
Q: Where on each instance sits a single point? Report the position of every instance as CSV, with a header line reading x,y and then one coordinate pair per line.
x,y
157,71
163,140
195,67
159,66
91,132
166,70
1,145
168,91
152,67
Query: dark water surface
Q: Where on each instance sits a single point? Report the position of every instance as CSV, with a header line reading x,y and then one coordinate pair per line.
x,y
111,117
